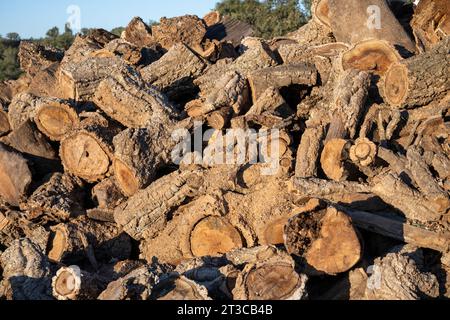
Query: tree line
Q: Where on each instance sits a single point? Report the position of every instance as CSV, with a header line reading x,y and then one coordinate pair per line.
x,y
269,18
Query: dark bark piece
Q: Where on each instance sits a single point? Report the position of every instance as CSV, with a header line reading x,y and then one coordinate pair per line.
x,y
72,283
138,33
413,204
26,272
282,76
370,55
58,199
100,36
231,90
15,176
399,276
395,229
175,72
419,80
363,24
187,29
107,194
325,239
34,57
15,225
73,241
87,152
139,154
127,51
431,22
229,29
116,94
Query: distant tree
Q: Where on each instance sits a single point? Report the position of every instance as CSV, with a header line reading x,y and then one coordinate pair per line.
x,y
13,36
118,31
9,63
152,23
56,39
270,18
53,33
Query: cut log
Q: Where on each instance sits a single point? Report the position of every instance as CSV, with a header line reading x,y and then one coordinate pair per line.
x,y
412,203
175,72
34,57
325,239
231,90
26,272
58,199
308,152
107,194
100,36
124,49
431,22
370,19
187,29
282,76
370,55
398,230
45,83
72,283
139,154
399,276
176,287
83,238
334,155
321,12
229,30
419,80
363,152
138,33
316,31
15,176
115,95
87,152
270,277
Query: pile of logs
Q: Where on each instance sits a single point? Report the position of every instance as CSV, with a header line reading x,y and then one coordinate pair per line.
x,y
93,206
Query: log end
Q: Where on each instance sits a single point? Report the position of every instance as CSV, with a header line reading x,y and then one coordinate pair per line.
x,y
363,152
395,87
321,12
125,177
67,283
332,159
56,120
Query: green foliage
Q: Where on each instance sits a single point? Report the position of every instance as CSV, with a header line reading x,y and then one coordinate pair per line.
x,y
118,31
55,39
9,63
270,18
13,36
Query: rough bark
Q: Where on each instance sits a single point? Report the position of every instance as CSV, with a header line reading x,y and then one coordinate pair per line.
x,y
45,83
308,152
313,33
107,194
431,22
363,23
176,287
58,199
175,72
419,80
398,276
229,30
83,238
325,239
34,57
282,76
87,152
138,33
15,176
116,94
4,121
26,272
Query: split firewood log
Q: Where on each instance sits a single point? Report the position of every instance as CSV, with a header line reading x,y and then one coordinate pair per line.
x,y
138,33
370,19
58,199
398,276
34,57
83,238
107,195
419,80
188,29
175,72
201,228
45,83
431,22
87,152
326,240
136,284
122,48
230,91
116,94
15,176
4,121
256,56
272,276
282,76
14,225
26,272
100,36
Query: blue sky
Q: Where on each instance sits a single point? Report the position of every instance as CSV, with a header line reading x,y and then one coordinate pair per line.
x,y
32,18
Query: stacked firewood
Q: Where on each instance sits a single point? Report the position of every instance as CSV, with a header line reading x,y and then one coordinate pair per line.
x,y
94,206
